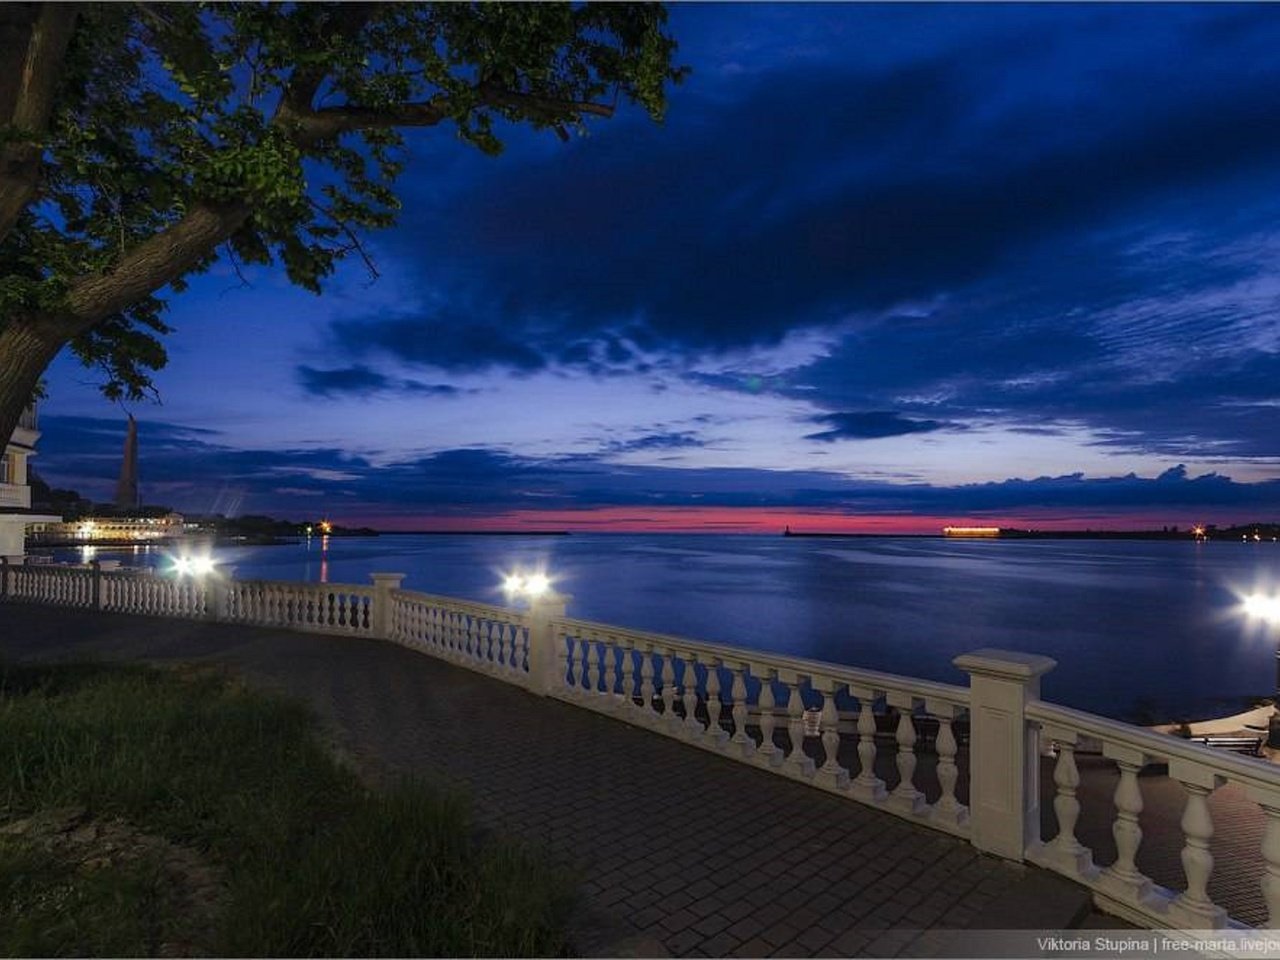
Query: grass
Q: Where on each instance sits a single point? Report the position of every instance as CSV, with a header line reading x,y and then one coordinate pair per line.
x,y
187,814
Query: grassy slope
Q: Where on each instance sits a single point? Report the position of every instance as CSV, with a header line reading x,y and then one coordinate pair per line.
x,y
314,864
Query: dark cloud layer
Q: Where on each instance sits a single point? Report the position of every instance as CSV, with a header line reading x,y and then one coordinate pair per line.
x,y
999,171
480,482
871,425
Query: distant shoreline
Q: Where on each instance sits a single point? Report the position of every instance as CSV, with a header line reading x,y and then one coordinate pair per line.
x,y
473,533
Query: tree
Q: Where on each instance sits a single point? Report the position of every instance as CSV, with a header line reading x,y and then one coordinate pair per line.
x,y
141,140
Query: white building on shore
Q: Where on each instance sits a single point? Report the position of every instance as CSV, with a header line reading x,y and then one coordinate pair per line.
x,y
15,490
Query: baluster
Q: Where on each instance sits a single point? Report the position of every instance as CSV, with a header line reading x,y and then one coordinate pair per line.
x,y
669,688
948,808
798,762
1192,909
499,643
1269,800
596,673
743,744
715,733
1065,851
1123,879
628,667
689,684
768,752
831,774
867,786
905,796
577,664
647,688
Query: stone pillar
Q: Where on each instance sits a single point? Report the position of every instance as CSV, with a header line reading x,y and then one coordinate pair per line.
x,y
95,589
383,584
216,585
543,662
4,577
1004,755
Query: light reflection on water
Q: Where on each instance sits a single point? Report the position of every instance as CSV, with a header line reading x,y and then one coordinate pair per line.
x,y
1135,625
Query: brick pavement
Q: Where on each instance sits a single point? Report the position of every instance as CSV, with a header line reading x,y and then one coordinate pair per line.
x,y
677,850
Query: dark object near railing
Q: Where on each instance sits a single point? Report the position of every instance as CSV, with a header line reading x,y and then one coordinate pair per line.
x,y
1250,745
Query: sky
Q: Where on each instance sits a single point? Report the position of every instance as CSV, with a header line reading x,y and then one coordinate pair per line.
x,y
882,268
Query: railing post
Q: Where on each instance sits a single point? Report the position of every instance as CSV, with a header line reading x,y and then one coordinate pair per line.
x,y
543,662
217,587
4,578
95,588
383,584
1004,755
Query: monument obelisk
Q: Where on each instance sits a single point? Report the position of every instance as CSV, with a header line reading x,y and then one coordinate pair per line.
x,y
127,485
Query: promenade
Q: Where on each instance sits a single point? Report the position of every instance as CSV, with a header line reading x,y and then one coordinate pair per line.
x,y
677,851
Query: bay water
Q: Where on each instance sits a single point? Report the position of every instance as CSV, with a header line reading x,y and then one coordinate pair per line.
x,y
1142,630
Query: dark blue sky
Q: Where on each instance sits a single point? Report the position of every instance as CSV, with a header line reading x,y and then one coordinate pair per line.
x,y
886,265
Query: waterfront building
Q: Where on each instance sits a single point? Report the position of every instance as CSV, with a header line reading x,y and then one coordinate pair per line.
x,y
971,531
131,529
15,490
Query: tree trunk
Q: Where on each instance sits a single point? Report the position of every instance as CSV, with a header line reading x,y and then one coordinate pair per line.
x,y
26,348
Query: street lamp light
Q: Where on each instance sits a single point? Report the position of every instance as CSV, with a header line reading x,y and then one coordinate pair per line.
x,y
1266,609
530,586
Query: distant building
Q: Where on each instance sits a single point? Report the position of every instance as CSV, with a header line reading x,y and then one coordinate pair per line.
x,y
15,491
111,530
971,531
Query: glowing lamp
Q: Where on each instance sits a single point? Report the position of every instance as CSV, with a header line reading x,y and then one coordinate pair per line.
x,y
1262,607
192,566
529,586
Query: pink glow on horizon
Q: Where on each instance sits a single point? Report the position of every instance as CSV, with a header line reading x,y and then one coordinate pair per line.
x,y
751,520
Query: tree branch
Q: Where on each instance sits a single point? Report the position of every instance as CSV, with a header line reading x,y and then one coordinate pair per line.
x,y
300,91
549,109
161,259
33,42
330,121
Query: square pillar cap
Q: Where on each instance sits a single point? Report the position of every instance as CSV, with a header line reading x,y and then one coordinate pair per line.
x,y
1004,664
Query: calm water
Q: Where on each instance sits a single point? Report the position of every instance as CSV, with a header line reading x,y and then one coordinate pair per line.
x,y
1140,629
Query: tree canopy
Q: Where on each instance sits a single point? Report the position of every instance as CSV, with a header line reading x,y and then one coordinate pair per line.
x,y
143,140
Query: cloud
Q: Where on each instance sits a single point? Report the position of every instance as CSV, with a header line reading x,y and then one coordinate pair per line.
x,y
674,440
872,425
360,380
442,340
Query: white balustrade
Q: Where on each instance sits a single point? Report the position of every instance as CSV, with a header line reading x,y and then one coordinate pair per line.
x,y
750,698
490,639
1121,887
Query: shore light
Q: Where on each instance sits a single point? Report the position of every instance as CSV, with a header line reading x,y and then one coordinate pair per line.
x,y
192,566
1259,606
1265,608
530,586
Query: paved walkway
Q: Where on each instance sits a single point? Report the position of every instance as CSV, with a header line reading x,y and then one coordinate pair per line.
x,y
678,850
